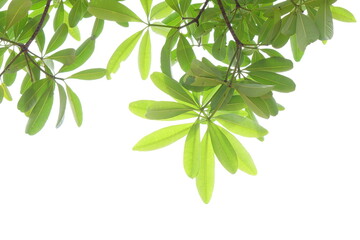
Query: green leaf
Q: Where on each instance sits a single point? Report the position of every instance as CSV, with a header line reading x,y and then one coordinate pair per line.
x,y
32,95
75,106
58,39
90,74
59,16
140,108
163,110
1,94
324,21
342,14
184,5
145,55
160,10
122,53
206,177
76,13
192,151
273,64
97,28
9,78
40,40
288,26
280,83
17,10
297,53
162,137
245,161
62,108
146,4
174,4
40,113
82,54
306,31
6,91
171,87
241,125
252,89
185,53
223,149
112,10
65,56
219,47
165,57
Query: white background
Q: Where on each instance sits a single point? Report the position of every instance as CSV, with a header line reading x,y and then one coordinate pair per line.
x,y
86,183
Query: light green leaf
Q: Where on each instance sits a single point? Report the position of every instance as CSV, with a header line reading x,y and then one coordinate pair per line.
x,y
65,56
184,5
171,87
273,64
144,58
62,108
185,53
82,54
59,16
306,31
342,14
76,13
174,4
1,94
112,10
192,151
160,10
17,10
224,151
6,91
122,53
280,83
75,106
219,47
146,4
324,21
40,40
97,28
90,74
163,110
40,113
297,53
252,89
162,137
245,161
32,95
58,39
206,177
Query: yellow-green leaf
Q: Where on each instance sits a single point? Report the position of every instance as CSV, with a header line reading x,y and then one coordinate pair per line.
x,y
144,58
192,151
75,106
90,74
17,10
112,10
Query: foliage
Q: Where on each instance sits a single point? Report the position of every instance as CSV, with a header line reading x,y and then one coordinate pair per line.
x,y
226,50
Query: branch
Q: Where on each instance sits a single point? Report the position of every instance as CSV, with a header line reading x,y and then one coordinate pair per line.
x,y
226,19
196,19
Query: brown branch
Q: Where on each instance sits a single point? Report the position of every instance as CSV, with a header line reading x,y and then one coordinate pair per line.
x,y
196,19
228,24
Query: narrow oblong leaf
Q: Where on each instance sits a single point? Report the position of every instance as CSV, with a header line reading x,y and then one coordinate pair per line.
x,y
174,4
7,94
97,28
206,177
122,53
82,54
324,21
192,151
280,83
32,95
75,105
17,10
273,64
185,53
62,106
163,110
40,113
171,87
90,74
224,151
162,137
112,10
252,90
146,4
241,125
245,161
160,10
297,53
144,59
306,31
58,39
65,56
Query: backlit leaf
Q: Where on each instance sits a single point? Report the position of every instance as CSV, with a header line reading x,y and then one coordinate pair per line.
x,y
75,106
65,56
90,74
146,4
273,64
164,110
82,54
58,39
280,83
112,10
145,55
324,21
192,151
306,31
342,14
62,107
185,53
17,10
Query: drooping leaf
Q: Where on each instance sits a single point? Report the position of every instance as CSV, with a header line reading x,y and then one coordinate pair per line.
x,y
206,177
185,53
297,53
75,106
122,53
112,10
40,113
17,10
162,137
144,61
90,74
62,106
280,83
224,151
32,95
306,31
58,39
273,64
192,151
324,21
171,87
245,161
241,125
